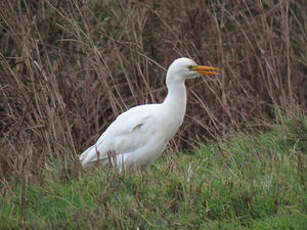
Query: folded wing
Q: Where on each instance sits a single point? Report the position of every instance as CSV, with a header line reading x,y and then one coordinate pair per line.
x,y
128,133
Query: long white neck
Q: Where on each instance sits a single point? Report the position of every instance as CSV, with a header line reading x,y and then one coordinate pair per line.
x,y
176,99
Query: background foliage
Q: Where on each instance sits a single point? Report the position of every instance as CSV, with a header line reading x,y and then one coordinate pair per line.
x,y
68,68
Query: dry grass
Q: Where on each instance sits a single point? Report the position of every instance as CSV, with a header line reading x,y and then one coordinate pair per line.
x,y
69,67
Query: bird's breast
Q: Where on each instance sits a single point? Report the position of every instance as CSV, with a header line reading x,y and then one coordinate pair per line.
x,y
169,126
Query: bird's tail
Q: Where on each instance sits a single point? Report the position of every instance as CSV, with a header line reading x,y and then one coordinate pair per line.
x,y
89,156
92,155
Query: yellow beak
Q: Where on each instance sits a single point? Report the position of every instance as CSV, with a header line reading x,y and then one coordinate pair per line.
x,y
204,69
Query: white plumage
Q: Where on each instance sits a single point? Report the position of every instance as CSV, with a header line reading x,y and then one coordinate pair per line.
x,y
138,136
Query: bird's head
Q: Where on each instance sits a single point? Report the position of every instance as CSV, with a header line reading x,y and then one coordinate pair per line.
x,y
185,68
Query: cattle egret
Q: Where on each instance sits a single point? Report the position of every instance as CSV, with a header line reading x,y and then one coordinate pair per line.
x,y
138,136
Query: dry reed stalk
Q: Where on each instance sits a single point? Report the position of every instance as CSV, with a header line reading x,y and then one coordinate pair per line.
x,y
69,67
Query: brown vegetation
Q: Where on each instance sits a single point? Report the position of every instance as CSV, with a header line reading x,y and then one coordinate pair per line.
x,y
68,68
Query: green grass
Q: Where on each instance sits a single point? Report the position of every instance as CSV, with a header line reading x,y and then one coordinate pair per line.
x,y
248,181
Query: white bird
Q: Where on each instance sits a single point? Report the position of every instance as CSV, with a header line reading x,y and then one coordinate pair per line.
x,y
139,136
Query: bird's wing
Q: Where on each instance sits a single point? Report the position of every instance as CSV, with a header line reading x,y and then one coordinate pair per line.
x,y
128,122
131,130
